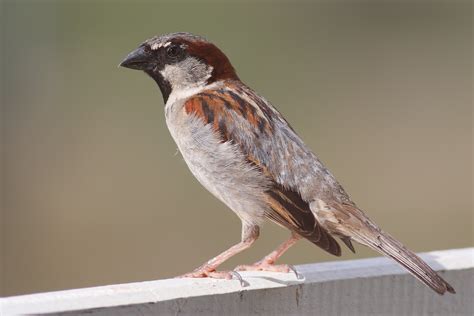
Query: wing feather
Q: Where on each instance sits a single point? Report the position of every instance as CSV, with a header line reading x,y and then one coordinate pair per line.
x,y
247,120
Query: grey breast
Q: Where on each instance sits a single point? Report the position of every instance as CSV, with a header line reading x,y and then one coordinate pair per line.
x,y
219,166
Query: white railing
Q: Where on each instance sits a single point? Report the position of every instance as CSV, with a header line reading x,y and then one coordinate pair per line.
x,y
358,287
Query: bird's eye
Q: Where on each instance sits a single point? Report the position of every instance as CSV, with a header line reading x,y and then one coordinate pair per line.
x,y
173,51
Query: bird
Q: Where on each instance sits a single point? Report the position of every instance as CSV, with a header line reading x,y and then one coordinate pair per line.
x,y
244,152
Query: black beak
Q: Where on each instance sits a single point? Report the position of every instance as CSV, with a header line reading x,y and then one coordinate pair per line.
x,y
139,59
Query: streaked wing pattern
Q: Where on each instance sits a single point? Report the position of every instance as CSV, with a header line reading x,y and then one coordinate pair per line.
x,y
238,118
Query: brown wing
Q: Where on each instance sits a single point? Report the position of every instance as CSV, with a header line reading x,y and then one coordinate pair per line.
x,y
246,120
288,209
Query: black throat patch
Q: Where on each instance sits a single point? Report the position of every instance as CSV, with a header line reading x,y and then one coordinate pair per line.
x,y
164,85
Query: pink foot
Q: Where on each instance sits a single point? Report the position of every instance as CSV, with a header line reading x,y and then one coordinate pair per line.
x,y
269,266
202,273
211,273
259,266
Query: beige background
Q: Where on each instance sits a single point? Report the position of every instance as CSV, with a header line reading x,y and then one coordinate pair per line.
x,y
94,193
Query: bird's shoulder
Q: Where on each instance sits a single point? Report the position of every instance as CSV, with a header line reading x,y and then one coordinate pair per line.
x,y
233,109
247,120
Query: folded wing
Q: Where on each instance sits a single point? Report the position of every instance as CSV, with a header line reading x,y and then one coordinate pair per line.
x,y
268,143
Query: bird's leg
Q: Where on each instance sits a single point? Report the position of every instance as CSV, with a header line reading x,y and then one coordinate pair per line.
x,y
268,262
249,235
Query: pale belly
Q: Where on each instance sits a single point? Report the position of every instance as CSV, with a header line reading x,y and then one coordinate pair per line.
x,y
220,167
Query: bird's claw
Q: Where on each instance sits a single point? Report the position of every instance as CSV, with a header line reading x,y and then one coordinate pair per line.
x,y
297,274
238,277
206,273
266,266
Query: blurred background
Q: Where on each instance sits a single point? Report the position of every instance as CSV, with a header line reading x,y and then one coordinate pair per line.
x,y
93,191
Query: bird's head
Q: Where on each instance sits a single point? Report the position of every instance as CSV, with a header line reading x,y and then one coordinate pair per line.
x,y
180,61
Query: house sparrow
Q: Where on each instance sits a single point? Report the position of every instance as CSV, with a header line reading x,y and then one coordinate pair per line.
x,y
245,153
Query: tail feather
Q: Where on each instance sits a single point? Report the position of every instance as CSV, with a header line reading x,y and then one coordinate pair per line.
x,y
387,245
347,221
